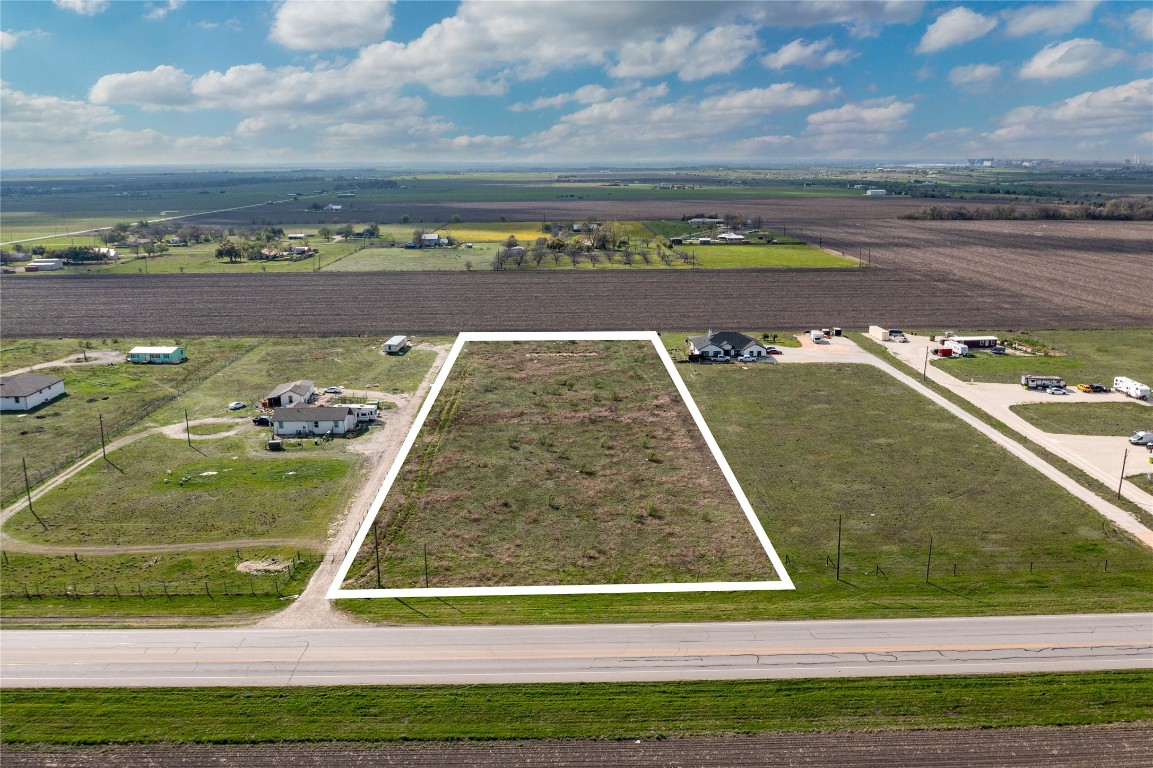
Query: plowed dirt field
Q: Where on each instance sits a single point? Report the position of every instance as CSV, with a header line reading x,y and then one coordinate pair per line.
x,y
1116,747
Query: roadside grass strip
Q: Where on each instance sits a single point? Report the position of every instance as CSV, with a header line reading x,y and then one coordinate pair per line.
x,y
571,508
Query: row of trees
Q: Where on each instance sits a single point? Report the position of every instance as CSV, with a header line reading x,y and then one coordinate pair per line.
x,y
1119,209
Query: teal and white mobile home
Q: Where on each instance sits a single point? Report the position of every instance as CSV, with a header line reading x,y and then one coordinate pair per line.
x,y
168,355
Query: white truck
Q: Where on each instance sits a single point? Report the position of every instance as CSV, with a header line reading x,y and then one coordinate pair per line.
x,y
1143,437
816,336
1131,388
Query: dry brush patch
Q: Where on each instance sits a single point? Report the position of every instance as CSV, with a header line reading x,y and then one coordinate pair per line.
x,y
543,468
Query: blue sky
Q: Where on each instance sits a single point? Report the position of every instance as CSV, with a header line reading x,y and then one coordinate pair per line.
x,y
118,82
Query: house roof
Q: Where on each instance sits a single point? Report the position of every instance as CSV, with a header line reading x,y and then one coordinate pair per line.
x,y
26,384
320,413
301,388
734,339
153,350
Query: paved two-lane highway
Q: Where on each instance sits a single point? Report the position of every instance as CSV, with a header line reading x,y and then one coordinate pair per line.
x,y
469,655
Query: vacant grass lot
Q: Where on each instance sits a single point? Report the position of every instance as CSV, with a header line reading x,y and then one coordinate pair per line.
x,y
1121,419
811,443
162,491
1090,356
559,711
560,463
59,432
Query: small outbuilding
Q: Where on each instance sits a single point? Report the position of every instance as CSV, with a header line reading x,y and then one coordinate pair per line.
x,y
159,355
313,422
396,345
291,393
26,391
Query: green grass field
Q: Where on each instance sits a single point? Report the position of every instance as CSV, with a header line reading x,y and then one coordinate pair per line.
x,y
160,490
559,711
744,256
1005,539
1090,356
537,467
59,432
1122,419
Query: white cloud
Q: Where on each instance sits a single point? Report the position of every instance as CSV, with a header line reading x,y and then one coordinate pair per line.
x,y
1070,59
856,126
1141,23
815,55
974,76
165,86
157,11
310,25
960,25
719,51
741,106
1050,18
83,7
8,41
586,94
27,117
1121,110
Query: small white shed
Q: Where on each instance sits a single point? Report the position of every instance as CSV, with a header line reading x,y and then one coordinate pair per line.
x,y
396,345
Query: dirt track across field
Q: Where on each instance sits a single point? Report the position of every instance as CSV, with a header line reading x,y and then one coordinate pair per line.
x,y
1101,747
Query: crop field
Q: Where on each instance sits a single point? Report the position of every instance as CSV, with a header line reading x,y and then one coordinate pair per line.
x,y
747,256
1120,419
1004,538
559,463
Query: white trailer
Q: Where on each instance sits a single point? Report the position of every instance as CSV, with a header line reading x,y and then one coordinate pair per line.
x,y
959,349
879,333
1132,388
396,345
816,336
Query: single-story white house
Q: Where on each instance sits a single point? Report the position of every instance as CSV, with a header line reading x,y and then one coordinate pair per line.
x,y
291,393
731,238
313,422
26,391
170,355
876,192
726,344
46,265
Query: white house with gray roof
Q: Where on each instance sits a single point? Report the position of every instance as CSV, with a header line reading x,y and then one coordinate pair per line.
x,y
313,422
26,391
291,393
726,344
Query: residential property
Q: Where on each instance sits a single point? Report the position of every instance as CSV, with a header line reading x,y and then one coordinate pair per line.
x,y
732,239
46,265
291,393
876,192
313,422
161,355
725,344
365,414
26,391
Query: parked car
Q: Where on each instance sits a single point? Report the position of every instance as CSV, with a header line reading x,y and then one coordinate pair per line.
x,y
334,390
1056,391
775,351
1099,388
746,359
1085,387
261,421
237,406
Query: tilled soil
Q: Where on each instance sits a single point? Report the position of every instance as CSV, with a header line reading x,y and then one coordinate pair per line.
x,y
1100,747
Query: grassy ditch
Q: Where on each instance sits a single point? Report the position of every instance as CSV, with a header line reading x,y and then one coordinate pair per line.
x,y
577,711
559,463
817,445
1086,418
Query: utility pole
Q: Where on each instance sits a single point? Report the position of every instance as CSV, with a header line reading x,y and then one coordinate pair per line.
x,y
28,490
103,449
838,547
1120,482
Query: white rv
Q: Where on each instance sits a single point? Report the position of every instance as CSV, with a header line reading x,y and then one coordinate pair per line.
x,y
1131,388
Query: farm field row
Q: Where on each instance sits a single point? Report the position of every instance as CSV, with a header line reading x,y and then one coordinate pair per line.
x,y
448,302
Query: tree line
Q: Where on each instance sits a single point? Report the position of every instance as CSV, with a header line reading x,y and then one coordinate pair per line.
x,y
1118,209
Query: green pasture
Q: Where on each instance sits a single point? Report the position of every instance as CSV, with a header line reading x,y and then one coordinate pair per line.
x,y
60,432
535,468
1122,419
816,444
323,714
1089,357
161,490
48,590
742,256
416,259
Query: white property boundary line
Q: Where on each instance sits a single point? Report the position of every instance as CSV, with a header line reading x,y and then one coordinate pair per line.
x,y
335,591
